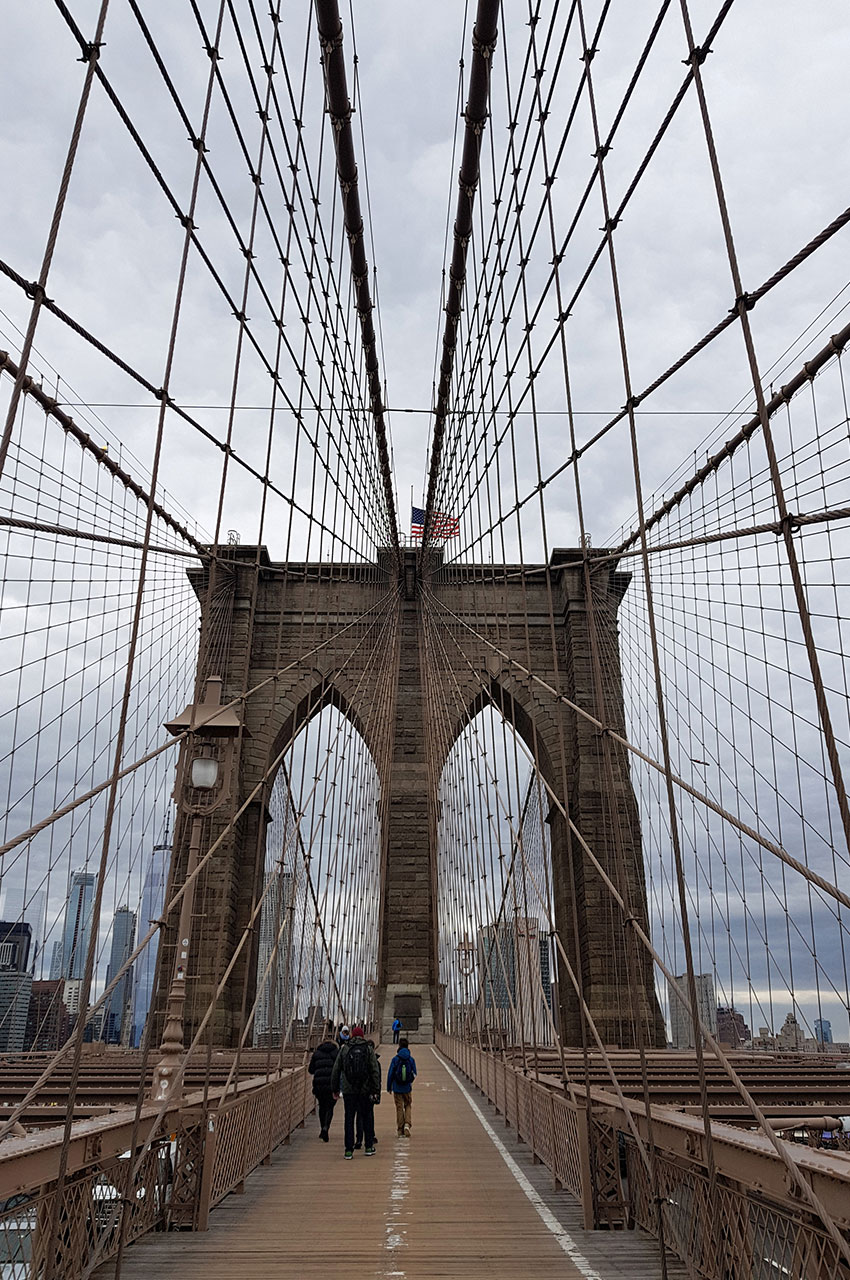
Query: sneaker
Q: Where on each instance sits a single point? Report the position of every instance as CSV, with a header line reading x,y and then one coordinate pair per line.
x,y
407,1131
370,1151
324,1135
401,1133
358,1145
349,1155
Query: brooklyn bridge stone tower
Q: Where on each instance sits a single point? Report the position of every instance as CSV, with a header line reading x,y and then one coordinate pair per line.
x,y
260,621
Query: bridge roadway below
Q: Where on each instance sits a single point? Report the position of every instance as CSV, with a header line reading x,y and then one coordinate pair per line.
x,y
445,1203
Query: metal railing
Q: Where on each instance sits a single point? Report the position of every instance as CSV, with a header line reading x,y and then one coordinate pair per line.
x,y
755,1226
207,1148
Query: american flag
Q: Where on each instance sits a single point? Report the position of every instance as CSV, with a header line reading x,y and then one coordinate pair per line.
x,y
442,526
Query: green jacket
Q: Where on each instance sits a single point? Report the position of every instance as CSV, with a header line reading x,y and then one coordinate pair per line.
x,y
340,1082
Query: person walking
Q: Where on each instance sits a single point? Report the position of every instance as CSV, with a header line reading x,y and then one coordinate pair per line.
x,y
400,1079
396,1029
321,1069
357,1076
358,1119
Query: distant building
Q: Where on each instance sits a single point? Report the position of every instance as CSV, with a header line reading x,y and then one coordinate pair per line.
x,y
275,995
15,984
48,1024
15,991
791,1035
823,1028
115,1021
681,1023
150,908
56,962
496,965
72,994
515,978
77,931
546,968
33,910
15,940
732,1030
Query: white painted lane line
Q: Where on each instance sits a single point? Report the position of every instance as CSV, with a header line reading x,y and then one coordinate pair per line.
x,y
562,1236
396,1227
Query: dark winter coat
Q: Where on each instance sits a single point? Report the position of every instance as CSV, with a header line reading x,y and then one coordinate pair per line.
x,y
340,1082
394,1084
322,1065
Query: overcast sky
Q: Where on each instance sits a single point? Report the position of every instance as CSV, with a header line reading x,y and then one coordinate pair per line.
x,y
776,85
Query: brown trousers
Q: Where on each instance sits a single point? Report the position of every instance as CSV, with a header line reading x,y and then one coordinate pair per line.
x,y
403,1109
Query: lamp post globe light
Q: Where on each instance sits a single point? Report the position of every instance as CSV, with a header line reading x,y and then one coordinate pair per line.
x,y
466,964
204,777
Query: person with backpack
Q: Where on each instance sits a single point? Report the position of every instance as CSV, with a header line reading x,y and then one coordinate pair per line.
x,y
358,1119
400,1079
396,1029
321,1069
357,1076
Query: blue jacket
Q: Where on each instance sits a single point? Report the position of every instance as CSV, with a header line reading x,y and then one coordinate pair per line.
x,y
395,1085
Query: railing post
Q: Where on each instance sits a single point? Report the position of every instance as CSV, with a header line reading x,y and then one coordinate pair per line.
x,y
553,1142
207,1172
585,1169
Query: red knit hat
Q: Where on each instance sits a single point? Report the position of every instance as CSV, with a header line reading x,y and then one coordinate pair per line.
x,y
356,1031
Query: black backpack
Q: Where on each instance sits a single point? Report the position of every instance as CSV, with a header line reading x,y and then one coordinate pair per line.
x,y
356,1067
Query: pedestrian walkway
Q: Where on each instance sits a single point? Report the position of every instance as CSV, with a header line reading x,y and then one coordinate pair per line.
x,y
444,1203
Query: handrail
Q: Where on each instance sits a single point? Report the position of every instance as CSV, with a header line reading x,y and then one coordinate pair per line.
x,y
753,1176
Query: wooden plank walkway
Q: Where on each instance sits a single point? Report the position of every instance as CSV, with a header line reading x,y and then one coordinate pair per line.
x,y
442,1204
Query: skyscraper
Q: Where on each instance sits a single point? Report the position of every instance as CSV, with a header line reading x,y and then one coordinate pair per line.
x,y
823,1029
15,984
116,1008
496,965
515,978
274,998
150,908
681,1023
15,991
33,910
15,940
77,931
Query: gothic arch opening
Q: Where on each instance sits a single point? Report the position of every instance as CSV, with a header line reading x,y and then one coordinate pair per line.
x,y
319,924
495,900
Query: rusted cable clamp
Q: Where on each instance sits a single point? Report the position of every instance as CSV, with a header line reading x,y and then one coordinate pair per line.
x,y
476,123
339,121
485,49
331,43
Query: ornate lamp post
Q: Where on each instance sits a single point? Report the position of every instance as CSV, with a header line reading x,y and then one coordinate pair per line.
x,y
466,964
203,784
